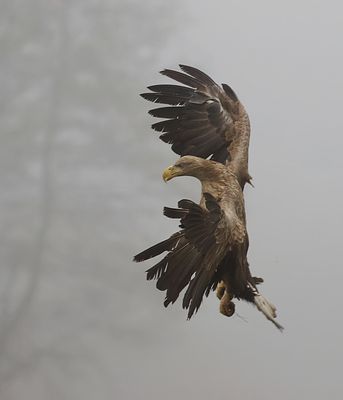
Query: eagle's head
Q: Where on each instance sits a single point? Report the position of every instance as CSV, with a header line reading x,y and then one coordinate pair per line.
x,y
190,166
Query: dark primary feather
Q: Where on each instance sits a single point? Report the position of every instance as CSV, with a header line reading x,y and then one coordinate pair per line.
x,y
158,248
196,73
200,109
194,260
188,251
172,89
164,98
182,78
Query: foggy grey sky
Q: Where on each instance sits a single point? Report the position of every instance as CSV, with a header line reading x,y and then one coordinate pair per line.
x,y
81,193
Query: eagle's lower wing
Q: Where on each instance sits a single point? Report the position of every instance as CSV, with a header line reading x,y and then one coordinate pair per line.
x,y
193,253
204,119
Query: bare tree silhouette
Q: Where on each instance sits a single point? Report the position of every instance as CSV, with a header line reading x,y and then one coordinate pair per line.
x,y
12,320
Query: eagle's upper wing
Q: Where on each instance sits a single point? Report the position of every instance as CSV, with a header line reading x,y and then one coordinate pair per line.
x,y
193,253
203,119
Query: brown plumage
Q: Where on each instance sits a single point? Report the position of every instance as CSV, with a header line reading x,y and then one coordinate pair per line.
x,y
211,248
203,119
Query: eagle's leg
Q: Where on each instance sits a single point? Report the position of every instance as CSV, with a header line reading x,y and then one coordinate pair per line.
x,y
226,306
220,290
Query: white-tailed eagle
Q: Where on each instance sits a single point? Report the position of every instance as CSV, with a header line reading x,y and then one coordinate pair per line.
x,y
209,128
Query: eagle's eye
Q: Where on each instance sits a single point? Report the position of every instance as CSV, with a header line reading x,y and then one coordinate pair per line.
x,y
181,164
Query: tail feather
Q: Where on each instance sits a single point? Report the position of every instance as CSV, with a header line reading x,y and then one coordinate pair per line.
x,y
266,307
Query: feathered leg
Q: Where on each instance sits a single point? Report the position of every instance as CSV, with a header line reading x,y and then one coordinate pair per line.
x,y
220,290
224,294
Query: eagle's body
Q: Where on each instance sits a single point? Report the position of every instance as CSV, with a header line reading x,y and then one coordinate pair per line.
x,y
210,250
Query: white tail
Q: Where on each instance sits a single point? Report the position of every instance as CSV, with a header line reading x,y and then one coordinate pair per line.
x,y
267,308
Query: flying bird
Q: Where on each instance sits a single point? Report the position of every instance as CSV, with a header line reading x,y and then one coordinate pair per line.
x,y
209,128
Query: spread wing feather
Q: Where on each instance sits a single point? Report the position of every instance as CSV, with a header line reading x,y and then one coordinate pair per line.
x,y
201,109
191,259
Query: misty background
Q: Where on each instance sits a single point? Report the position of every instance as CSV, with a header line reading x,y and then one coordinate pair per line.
x,y
81,193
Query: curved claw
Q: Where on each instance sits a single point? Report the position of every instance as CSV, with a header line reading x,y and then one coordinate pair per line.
x,y
227,307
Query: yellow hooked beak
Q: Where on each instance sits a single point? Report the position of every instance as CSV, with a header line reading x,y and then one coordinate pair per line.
x,y
169,173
